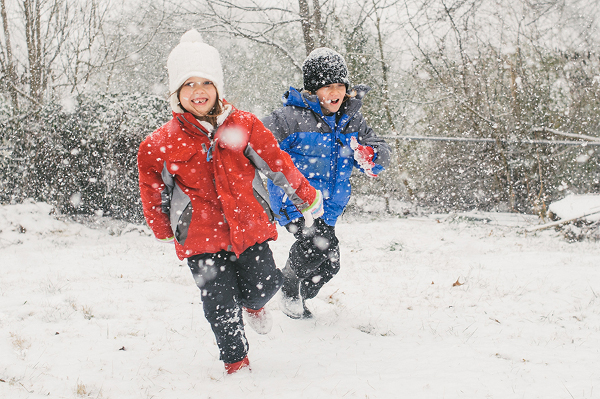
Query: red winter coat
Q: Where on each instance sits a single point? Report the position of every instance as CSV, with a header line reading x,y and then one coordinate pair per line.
x,y
208,193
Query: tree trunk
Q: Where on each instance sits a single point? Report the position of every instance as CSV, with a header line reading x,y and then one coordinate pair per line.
x,y
384,70
34,49
7,61
306,26
318,24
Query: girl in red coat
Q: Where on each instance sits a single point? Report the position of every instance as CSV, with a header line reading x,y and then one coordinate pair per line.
x,y
200,188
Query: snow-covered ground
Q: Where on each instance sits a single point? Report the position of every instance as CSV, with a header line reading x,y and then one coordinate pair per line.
x,y
444,306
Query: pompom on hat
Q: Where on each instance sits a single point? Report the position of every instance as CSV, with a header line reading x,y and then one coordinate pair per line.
x,y
322,67
193,58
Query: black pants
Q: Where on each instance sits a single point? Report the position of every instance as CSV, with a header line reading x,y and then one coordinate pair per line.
x,y
315,256
228,283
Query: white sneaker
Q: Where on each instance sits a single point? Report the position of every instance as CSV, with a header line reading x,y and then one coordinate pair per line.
x,y
260,320
292,307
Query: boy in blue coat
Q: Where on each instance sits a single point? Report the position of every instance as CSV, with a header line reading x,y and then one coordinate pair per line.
x,y
322,129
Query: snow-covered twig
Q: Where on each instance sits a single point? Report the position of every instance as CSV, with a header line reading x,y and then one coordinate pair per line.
x,y
559,133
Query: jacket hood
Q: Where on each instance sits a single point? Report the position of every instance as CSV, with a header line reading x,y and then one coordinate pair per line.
x,y
302,100
310,101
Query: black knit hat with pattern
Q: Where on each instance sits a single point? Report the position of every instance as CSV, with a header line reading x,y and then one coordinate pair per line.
x,y
323,67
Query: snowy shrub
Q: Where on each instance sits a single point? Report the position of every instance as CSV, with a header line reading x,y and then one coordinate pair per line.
x,y
580,231
81,158
504,98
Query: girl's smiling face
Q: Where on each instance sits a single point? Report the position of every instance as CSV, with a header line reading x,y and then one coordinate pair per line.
x,y
331,97
198,96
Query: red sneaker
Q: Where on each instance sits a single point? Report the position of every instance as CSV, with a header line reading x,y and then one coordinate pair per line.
x,y
231,368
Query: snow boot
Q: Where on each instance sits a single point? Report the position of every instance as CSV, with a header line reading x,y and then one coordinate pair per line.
x,y
292,304
231,368
260,320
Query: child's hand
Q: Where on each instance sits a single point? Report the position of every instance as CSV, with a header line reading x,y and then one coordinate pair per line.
x,y
363,154
314,211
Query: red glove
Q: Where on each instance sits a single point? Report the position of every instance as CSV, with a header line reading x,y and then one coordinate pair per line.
x,y
363,155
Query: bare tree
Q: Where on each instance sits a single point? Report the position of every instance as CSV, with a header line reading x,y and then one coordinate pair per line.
x,y
353,27
379,8
47,27
309,42
68,45
496,70
263,22
45,33
7,63
312,25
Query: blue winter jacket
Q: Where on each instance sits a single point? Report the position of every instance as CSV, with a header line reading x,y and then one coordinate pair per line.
x,y
320,149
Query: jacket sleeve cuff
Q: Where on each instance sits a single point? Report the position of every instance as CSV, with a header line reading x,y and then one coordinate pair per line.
x,y
308,193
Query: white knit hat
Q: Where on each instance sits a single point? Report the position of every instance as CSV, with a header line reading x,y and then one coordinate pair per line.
x,y
192,57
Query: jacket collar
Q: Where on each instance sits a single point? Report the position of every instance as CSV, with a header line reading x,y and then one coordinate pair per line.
x,y
194,126
302,100
310,101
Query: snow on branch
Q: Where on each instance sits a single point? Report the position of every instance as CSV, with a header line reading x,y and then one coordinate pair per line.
x,y
559,133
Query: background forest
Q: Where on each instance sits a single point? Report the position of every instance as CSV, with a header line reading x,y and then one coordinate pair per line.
x,y
489,104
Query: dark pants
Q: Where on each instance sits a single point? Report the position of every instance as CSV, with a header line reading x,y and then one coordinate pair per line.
x,y
228,283
315,256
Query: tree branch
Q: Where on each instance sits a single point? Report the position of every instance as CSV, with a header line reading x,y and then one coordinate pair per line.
x,y
543,129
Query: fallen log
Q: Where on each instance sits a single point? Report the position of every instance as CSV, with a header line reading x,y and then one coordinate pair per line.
x,y
559,222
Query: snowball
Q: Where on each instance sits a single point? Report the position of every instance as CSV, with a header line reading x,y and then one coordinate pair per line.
x,y
233,139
